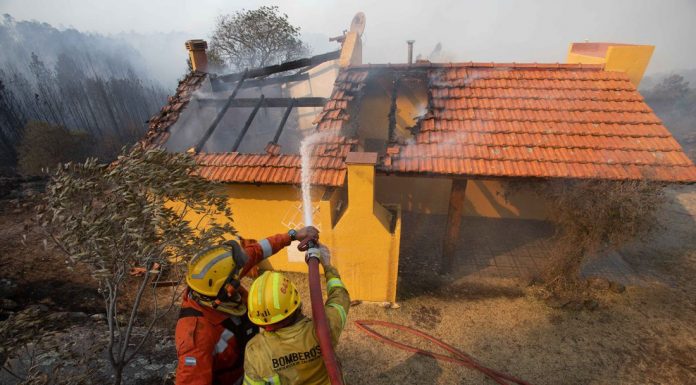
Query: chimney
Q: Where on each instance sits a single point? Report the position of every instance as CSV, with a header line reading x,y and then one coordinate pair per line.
x,y
199,59
410,50
361,181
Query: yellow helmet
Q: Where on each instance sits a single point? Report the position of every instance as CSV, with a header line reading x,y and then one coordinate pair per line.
x,y
272,298
210,269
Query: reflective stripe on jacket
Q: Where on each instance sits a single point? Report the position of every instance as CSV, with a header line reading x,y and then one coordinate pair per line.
x,y
292,355
208,350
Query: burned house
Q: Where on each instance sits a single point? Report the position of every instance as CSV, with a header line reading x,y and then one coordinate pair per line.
x,y
429,138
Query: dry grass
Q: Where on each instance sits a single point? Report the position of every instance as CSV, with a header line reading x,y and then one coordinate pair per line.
x,y
644,336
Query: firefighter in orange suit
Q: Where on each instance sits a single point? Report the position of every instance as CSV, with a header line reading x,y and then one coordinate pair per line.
x,y
287,350
213,327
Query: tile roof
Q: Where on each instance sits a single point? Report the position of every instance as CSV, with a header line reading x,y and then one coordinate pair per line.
x,y
483,119
269,167
157,132
346,89
327,165
525,120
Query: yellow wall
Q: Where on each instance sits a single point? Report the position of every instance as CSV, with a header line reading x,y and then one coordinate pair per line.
x,y
484,198
368,249
373,119
351,50
375,102
260,211
631,59
320,84
363,248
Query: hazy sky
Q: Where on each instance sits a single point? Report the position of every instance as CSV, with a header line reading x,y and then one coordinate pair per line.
x,y
483,30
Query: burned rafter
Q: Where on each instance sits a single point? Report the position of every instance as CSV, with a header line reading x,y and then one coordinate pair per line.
x,y
268,102
219,86
279,130
287,66
220,114
392,108
237,142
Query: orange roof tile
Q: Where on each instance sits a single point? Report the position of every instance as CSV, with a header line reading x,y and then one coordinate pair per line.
x,y
158,125
483,119
328,167
513,120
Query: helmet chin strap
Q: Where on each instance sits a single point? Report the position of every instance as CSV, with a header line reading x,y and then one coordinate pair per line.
x,y
234,306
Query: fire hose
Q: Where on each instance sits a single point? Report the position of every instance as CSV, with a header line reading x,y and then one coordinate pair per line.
x,y
458,357
321,324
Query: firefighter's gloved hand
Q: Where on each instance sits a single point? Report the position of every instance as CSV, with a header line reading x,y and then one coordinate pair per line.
x,y
325,256
306,235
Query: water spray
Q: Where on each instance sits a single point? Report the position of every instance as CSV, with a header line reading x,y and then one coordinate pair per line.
x,y
313,257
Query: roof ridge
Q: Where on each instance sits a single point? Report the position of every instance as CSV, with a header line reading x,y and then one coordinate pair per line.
x,y
604,163
512,65
548,132
455,119
533,146
641,101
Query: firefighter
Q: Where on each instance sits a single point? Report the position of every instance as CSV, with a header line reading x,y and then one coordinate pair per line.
x,y
287,350
213,327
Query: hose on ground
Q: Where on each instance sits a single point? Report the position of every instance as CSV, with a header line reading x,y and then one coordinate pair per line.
x,y
458,357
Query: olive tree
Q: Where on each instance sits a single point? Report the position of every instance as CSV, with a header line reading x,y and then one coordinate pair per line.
x,y
255,38
590,217
146,209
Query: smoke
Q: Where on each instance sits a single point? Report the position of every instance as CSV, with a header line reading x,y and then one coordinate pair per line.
x,y
673,98
306,149
205,105
94,54
83,82
161,55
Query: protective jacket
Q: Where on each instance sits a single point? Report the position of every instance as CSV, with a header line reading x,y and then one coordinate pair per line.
x,y
209,343
291,355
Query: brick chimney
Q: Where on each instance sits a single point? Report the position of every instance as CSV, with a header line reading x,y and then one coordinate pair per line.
x,y
199,59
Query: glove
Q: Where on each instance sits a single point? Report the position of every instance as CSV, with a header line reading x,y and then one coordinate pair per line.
x,y
325,256
323,253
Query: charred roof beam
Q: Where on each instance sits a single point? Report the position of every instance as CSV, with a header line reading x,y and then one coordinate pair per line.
x,y
240,137
268,102
279,130
220,115
287,66
219,86
393,108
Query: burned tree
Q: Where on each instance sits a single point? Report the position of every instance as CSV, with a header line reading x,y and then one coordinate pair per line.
x,y
44,145
132,214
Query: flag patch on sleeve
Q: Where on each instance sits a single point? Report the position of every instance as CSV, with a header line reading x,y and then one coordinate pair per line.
x,y
190,361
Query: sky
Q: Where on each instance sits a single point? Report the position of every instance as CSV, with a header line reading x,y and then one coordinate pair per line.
x,y
482,30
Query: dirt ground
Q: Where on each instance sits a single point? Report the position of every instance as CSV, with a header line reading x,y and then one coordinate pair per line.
x,y
644,336
647,335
